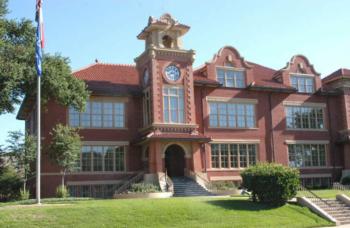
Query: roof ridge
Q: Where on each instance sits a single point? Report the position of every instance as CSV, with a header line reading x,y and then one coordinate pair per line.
x,y
83,68
261,65
104,64
117,64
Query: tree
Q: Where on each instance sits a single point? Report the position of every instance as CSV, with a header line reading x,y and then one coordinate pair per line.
x,y
65,148
18,74
22,150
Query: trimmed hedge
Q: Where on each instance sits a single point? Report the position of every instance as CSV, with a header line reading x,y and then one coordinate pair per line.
x,y
271,183
345,180
144,188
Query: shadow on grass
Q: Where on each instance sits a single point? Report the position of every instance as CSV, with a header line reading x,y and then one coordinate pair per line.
x,y
242,205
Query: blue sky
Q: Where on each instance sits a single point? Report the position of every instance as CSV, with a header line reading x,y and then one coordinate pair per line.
x,y
267,32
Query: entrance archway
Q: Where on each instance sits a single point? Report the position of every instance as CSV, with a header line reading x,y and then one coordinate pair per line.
x,y
175,161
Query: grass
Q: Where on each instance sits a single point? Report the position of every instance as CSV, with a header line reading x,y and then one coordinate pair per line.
x,y
327,194
172,212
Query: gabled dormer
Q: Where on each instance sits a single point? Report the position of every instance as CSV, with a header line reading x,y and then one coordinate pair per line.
x,y
300,74
230,69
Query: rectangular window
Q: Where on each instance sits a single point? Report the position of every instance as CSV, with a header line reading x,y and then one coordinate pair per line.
x,y
303,84
229,77
147,109
302,117
307,155
99,114
102,158
230,115
227,156
173,104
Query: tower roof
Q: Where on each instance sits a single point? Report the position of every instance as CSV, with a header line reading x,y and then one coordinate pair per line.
x,y
165,22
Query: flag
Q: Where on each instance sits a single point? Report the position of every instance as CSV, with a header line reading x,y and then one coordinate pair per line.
x,y
39,37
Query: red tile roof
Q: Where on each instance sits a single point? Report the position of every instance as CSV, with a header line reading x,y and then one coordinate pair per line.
x,y
263,77
110,79
342,72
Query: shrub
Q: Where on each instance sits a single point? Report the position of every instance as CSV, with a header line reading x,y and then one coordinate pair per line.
x,y
10,184
62,192
145,188
271,183
24,194
223,185
345,180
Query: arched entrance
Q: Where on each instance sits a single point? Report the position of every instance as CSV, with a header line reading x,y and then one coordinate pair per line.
x,y
175,161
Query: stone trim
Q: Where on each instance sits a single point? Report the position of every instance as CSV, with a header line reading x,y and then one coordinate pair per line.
x,y
105,143
241,141
315,175
232,100
302,103
97,182
306,141
220,178
86,173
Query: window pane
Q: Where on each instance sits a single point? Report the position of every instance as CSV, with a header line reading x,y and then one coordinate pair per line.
x,y
107,114
224,155
119,158
119,115
86,158
73,117
215,156
252,154
97,157
234,155
85,116
221,76
239,79
108,158
243,155
230,78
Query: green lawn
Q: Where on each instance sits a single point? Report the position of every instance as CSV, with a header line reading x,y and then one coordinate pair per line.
x,y
173,212
327,194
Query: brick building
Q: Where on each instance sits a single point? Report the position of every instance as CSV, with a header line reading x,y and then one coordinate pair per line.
x,y
161,115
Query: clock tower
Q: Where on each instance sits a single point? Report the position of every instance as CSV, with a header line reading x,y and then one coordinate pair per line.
x,y
165,68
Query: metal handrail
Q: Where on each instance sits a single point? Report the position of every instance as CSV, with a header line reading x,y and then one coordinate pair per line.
x,y
127,184
314,196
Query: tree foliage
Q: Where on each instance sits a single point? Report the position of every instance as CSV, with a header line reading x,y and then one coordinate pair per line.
x,y
17,68
271,183
65,148
22,149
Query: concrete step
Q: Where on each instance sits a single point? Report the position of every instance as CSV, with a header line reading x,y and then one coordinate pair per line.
x,y
184,186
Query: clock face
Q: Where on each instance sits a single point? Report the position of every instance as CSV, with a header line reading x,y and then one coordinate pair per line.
x,y
145,77
172,73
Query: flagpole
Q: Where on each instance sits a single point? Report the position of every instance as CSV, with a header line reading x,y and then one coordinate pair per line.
x,y
38,154
38,58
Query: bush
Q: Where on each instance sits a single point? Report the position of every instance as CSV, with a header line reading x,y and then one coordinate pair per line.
x,y
24,194
62,192
345,180
145,188
271,183
10,184
223,185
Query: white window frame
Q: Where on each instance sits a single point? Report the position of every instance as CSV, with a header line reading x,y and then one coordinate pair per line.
x,y
238,143
304,77
235,101
302,143
234,69
168,96
90,114
103,145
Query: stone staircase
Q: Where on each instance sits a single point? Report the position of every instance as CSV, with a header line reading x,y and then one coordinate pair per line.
x,y
335,208
184,186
